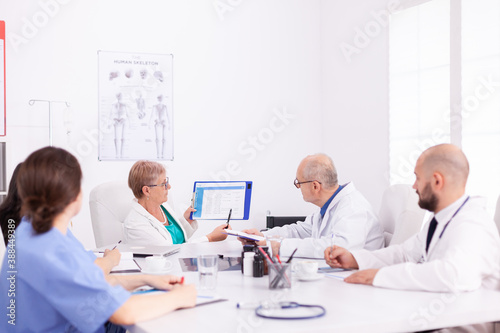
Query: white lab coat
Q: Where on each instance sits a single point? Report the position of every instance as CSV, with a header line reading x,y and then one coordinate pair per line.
x,y
349,216
142,228
466,257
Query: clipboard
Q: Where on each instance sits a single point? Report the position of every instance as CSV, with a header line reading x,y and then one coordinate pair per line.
x,y
244,235
213,200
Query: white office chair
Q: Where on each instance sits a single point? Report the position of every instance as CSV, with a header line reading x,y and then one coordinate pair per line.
x,y
399,214
110,204
497,214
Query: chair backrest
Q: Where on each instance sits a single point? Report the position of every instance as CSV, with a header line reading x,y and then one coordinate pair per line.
x,y
279,221
399,214
497,214
110,204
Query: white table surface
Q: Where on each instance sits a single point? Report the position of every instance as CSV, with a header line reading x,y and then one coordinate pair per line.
x,y
350,308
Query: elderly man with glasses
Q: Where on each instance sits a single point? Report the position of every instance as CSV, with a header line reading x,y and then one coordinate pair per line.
x,y
344,217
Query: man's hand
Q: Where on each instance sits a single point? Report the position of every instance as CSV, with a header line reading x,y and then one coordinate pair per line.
x,y
362,277
338,257
249,241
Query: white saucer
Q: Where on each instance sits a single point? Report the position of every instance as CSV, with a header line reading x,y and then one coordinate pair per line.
x,y
160,272
314,277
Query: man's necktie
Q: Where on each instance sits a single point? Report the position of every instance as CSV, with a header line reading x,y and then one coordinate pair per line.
x,y
432,228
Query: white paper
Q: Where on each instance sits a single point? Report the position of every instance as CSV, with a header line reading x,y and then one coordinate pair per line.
x,y
245,235
127,263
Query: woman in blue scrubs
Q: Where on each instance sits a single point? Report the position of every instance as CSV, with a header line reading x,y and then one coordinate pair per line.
x,y
49,282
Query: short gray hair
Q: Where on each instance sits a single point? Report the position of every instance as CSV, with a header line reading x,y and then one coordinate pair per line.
x,y
320,167
143,173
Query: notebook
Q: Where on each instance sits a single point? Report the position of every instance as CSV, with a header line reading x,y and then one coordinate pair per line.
x,y
145,250
127,263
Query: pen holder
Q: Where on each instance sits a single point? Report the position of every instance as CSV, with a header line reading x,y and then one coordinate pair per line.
x,y
280,276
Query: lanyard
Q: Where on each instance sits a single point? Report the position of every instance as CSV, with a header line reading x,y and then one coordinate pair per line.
x,y
456,212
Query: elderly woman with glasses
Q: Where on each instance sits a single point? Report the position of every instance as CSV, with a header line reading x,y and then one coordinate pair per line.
x,y
152,221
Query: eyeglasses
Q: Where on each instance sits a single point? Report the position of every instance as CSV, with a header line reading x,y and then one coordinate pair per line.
x,y
165,184
297,183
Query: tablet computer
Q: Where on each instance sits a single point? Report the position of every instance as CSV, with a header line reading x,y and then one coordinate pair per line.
x,y
214,199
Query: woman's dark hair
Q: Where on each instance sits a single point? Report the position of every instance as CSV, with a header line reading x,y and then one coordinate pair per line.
x,y
48,181
10,209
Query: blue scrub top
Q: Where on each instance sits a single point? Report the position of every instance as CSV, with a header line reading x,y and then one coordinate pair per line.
x,y
51,284
173,228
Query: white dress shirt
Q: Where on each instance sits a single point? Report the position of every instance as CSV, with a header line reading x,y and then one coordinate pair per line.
x,y
462,257
142,228
349,216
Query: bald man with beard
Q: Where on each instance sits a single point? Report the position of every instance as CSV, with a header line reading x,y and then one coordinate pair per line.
x,y
458,250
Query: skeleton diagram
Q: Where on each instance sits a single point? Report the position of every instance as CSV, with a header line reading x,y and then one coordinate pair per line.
x,y
118,117
141,106
161,121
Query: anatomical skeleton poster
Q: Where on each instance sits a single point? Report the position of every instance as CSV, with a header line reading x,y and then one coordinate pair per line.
x,y
135,106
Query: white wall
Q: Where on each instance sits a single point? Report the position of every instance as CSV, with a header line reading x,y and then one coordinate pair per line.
x,y
233,70
355,104
229,77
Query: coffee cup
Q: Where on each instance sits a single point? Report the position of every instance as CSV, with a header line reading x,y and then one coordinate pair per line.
x,y
157,264
306,268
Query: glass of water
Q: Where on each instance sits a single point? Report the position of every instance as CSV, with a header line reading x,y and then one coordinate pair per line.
x,y
207,270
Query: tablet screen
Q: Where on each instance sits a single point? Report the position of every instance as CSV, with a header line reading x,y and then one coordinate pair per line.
x,y
213,200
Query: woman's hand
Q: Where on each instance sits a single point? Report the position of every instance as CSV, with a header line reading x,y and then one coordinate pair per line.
x,y
112,256
187,214
185,294
163,282
218,234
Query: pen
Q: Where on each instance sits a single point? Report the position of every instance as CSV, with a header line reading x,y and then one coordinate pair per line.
x,y
228,218
116,245
333,240
247,305
291,256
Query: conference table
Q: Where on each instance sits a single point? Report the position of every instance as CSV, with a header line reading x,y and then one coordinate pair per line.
x,y
349,308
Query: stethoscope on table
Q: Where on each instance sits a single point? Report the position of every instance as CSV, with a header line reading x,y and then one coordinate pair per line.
x,y
287,310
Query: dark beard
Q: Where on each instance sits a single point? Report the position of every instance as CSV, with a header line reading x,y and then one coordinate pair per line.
x,y
427,199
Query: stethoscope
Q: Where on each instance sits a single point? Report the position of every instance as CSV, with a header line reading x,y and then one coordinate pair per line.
x,y
266,311
456,212
422,259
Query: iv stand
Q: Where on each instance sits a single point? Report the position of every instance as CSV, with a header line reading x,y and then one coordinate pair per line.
x,y
33,101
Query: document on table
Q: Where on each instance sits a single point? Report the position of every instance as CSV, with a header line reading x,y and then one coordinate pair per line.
x,y
336,273
200,299
127,263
